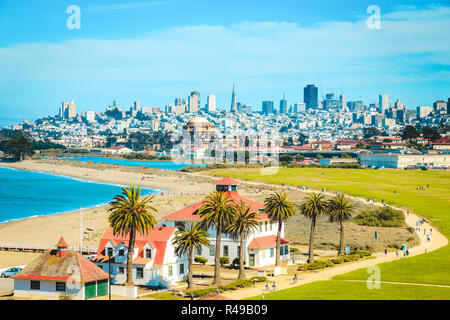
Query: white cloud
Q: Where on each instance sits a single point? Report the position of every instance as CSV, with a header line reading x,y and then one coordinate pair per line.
x,y
413,46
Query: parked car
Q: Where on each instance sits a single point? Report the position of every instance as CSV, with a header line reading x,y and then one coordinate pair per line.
x,y
10,272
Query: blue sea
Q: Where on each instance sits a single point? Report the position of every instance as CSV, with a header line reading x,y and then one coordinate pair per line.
x,y
168,165
25,194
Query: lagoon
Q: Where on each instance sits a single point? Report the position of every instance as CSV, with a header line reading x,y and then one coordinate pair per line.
x,y
167,165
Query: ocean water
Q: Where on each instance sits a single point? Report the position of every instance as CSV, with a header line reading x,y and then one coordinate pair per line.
x,y
25,194
168,165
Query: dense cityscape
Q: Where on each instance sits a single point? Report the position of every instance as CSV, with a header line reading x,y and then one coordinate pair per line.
x,y
331,123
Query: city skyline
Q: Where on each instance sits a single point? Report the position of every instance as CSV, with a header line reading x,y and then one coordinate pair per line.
x,y
261,50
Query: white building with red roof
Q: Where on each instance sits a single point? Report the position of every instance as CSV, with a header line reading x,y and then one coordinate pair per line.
x,y
61,272
155,262
259,247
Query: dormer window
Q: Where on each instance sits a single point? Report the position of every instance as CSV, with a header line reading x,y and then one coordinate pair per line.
x,y
121,252
148,253
110,252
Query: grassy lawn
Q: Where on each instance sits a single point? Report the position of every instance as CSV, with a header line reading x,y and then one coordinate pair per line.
x,y
332,290
432,203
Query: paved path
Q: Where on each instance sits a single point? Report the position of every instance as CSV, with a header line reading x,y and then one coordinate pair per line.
x,y
284,282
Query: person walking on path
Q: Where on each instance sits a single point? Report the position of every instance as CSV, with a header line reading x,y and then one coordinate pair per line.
x,y
262,296
385,251
431,230
267,285
396,252
274,286
295,278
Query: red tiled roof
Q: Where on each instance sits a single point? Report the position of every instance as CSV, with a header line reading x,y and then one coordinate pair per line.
x,y
62,243
227,181
266,242
190,212
50,266
157,238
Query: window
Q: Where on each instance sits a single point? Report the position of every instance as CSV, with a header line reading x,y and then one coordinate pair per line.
x,y
121,252
233,188
178,224
182,268
239,251
170,271
211,250
265,226
271,252
60,286
199,251
148,253
139,273
225,251
286,250
35,285
110,252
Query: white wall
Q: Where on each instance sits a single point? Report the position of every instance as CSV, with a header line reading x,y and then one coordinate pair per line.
x,y
47,289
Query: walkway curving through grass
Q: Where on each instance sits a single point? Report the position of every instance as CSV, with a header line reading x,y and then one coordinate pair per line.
x,y
396,187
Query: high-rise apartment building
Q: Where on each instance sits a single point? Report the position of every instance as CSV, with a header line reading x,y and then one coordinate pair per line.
x,y
423,111
310,96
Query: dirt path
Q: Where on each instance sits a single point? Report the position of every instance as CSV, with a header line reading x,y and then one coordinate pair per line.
x,y
285,281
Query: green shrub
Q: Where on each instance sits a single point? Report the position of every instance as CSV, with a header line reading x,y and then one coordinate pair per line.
x,y
200,260
259,279
318,264
381,217
224,261
235,262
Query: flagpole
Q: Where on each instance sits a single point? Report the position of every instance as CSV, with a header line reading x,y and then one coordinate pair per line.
x,y
81,230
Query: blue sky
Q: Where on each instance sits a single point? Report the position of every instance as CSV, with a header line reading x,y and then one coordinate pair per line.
x,y
154,51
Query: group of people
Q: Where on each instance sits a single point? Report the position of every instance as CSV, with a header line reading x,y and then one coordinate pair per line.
x,y
274,286
422,187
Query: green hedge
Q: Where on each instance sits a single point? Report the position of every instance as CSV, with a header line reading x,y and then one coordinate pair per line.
x,y
381,217
321,264
201,260
243,283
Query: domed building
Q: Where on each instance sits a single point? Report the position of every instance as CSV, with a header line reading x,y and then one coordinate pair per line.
x,y
200,130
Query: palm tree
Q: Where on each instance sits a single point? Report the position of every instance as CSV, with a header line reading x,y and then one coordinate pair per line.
x,y
244,223
340,209
131,214
217,211
313,206
279,209
188,237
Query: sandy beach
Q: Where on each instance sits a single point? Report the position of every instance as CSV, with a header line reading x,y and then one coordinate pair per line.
x,y
180,189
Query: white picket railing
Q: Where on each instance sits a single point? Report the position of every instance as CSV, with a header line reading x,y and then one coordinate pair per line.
x,y
40,248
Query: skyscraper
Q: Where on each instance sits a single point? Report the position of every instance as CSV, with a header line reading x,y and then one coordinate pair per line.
x,y
68,110
310,96
267,107
384,103
283,105
233,101
193,102
211,103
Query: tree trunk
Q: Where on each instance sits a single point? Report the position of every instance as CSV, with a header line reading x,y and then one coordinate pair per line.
x,y
191,252
341,242
311,240
277,255
241,260
130,281
217,256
